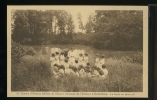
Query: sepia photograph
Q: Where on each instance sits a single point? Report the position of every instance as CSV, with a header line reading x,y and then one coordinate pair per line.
x,y
77,51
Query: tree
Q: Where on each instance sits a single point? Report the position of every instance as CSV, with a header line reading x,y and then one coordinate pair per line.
x,y
119,29
79,17
90,25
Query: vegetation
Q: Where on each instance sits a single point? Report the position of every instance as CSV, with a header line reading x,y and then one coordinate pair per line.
x,y
33,73
107,32
114,30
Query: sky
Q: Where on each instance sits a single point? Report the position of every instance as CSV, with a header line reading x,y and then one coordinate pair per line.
x,y
84,13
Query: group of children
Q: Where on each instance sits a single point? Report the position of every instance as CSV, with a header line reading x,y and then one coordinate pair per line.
x,y
76,62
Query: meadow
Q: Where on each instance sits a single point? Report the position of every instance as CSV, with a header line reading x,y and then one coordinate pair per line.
x,y
33,72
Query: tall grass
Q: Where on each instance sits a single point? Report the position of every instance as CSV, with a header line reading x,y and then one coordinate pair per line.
x,y
33,73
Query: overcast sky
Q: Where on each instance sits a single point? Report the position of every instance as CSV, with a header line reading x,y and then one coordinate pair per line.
x,y
85,13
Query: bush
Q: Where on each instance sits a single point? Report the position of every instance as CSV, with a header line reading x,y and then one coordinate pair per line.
x,y
32,73
136,58
17,51
30,51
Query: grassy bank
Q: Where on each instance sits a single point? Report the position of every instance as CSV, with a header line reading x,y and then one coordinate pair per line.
x,y
33,73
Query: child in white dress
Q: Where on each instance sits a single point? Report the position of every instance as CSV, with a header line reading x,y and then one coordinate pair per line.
x,y
80,60
62,58
67,69
85,60
105,72
57,59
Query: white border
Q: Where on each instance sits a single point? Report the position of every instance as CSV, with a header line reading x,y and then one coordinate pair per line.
x,y
143,94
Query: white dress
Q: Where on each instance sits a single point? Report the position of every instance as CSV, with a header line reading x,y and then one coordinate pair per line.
x,y
97,62
101,62
80,61
62,58
105,73
85,61
67,69
56,60
82,73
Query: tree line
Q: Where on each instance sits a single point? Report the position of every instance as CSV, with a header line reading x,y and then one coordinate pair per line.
x,y
105,29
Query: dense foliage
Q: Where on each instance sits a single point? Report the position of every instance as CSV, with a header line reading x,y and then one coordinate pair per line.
x,y
117,30
17,51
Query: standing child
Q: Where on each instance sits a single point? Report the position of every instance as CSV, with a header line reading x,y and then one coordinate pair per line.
x,y
85,61
67,69
80,60
62,58
57,59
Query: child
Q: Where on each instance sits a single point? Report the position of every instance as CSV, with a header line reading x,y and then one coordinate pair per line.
x,y
57,58
55,71
61,69
76,64
85,61
80,60
71,57
105,71
102,60
97,60
52,59
62,58
94,71
67,69
87,69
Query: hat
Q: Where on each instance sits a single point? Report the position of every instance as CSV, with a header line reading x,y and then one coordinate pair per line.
x,y
101,72
76,61
53,54
66,60
57,52
88,63
103,66
86,54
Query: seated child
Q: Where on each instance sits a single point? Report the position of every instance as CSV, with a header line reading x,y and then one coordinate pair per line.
x,y
102,61
105,71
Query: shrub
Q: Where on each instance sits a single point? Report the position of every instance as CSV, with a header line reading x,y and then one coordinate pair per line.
x,y
136,58
30,51
17,51
32,73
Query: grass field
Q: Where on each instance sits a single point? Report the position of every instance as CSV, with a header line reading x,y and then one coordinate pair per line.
x,y
33,73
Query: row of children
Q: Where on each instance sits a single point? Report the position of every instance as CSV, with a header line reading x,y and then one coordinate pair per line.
x,y
72,55
78,65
